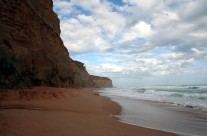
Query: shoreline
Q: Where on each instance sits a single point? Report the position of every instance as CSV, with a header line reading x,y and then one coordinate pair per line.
x,y
177,119
62,112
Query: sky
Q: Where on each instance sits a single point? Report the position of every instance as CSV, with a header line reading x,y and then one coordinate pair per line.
x,y
137,42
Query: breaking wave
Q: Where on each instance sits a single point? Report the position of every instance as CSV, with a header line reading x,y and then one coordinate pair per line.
x,y
182,95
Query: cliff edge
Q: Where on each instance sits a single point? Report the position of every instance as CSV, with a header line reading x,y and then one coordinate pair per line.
x,y
101,81
31,50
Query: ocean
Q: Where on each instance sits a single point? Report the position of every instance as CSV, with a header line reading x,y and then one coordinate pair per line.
x,y
185,95
177,109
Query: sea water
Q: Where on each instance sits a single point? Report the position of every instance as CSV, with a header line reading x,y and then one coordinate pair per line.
x,y
186,95
154,113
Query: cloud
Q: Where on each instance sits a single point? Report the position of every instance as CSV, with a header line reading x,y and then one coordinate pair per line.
x,y
136,38
63,7
78,38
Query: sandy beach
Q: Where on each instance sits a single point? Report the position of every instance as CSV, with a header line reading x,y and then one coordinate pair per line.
x,y
45,111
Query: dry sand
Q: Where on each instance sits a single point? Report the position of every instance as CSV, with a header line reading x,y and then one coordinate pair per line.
x,y
44,111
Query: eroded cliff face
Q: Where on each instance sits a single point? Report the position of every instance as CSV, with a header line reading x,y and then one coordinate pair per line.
x,y
31,50
101,81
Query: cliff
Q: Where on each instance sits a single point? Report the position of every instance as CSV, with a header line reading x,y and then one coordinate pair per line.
x,y
31,50
101,81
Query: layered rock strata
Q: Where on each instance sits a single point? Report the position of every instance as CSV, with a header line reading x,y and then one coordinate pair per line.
x,y
31,50
101,81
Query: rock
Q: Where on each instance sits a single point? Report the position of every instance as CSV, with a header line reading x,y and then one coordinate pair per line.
x,y
189,106
101,81
31,50
81,77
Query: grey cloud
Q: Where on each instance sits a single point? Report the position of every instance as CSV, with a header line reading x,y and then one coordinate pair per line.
x,y
178,27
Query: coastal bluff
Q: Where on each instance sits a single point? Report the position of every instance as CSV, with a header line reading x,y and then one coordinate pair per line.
x,y
101,81
31,50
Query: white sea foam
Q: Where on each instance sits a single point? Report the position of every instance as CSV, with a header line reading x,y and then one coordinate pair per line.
x,y
195,96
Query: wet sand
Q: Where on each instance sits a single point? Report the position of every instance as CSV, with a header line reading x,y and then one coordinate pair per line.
x,y
163,116
47,111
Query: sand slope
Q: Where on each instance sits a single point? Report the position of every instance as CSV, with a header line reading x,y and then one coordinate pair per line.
x,y
63,112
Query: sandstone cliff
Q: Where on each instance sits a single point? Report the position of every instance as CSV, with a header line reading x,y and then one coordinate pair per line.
x,y
101,81
31,50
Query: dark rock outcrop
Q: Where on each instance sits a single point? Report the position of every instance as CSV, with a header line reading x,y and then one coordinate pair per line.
x,y
101,81
31,50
